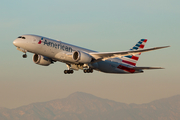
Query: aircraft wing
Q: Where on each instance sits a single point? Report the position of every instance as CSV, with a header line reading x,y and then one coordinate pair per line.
x,y
105,55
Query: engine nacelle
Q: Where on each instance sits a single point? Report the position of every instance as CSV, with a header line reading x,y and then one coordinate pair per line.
x,y
81,57
41,60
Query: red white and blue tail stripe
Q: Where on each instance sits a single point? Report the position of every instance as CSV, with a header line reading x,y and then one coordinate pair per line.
x,y
132,59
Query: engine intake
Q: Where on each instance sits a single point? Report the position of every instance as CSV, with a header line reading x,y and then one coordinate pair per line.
x,y
41,60
81,57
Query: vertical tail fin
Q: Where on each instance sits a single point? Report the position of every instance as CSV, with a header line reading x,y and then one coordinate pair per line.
x,y
132,59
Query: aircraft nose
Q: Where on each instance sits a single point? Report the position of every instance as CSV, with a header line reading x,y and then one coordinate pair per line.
x,y
15,42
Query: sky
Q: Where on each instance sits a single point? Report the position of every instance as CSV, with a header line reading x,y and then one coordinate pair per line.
x,y
100,25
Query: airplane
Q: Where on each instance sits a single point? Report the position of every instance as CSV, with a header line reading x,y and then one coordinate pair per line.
x,y
47,51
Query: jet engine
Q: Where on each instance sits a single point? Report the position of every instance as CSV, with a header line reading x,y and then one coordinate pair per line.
x,y
81,57
41,60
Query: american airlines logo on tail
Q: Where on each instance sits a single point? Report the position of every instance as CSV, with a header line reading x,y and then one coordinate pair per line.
x,y
139,45
131,60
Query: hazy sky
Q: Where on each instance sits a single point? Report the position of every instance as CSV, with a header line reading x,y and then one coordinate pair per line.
x,y
102,25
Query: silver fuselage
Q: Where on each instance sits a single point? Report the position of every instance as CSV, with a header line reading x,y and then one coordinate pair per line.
x,y
61,51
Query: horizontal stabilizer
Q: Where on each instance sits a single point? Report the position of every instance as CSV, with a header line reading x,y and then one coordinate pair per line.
x,y
146,68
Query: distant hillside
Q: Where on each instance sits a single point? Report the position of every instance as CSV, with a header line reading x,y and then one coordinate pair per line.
x,y
83,106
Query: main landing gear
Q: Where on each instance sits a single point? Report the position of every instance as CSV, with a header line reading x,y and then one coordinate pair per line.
x,y
68,71
88,70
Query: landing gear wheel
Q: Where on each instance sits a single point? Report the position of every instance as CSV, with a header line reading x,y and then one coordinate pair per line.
x,y
65,72
72,71
91,70
85,70
68,71
24,56
88,70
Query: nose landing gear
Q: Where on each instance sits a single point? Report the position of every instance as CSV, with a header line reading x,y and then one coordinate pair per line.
x,y
24,51
24,55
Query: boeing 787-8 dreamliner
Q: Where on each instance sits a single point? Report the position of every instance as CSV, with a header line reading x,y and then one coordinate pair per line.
x,y
47,51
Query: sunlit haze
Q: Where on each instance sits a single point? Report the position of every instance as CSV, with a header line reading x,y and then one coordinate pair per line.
x,y
100,25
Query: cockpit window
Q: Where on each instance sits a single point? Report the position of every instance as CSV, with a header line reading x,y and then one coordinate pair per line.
x,y
21,37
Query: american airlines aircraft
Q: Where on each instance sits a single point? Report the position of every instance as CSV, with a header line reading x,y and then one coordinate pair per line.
x,y
47,51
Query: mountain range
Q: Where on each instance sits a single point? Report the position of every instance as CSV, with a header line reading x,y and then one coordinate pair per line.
x,y
84,106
